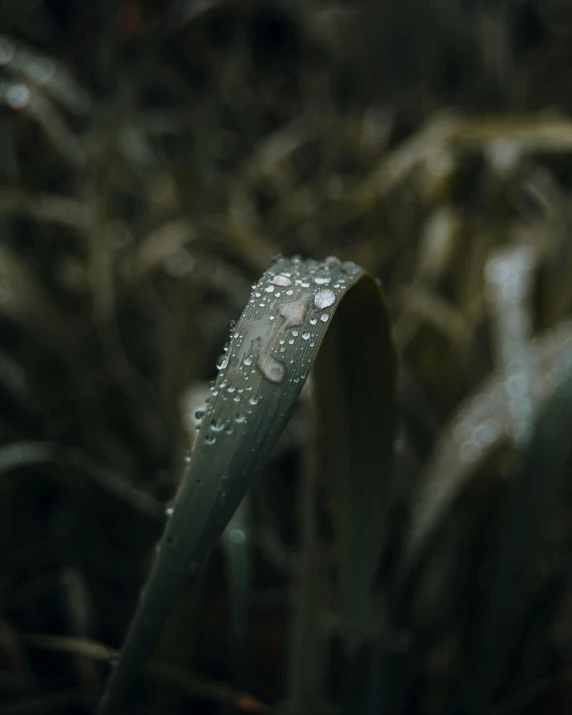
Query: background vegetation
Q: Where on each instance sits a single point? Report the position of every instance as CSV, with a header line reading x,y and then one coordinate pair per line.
x,y
154,156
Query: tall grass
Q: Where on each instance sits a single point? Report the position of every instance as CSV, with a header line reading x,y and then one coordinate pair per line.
x,y
371,512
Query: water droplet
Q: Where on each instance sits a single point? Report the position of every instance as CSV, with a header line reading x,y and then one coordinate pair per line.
x,y
332,262
169,509
324,298
273,370
305,336
313,321
239,418
247,361
269,289
222,362
230,389
281,280
237,537
516,385
232,325
350,268
254,400
210,439
17,96
294,312
322,279
217,425
324,317
486,433
199,414
289,292
295,333
188,457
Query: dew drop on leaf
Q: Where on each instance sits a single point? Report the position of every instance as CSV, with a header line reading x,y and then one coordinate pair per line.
x,y
294,312
281,280
324,298
273,370
322,279
350,268
237,537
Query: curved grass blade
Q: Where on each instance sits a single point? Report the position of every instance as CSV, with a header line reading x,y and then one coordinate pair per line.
x,y
355,389
292,309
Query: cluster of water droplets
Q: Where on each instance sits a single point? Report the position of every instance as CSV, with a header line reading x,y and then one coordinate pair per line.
x,y
283,316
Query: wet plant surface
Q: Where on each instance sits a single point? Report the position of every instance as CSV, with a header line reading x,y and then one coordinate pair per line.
x,y
354,498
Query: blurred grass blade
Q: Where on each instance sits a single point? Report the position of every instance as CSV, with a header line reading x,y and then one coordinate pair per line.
x,y
295,307
236,544
509,277
534,496
481,424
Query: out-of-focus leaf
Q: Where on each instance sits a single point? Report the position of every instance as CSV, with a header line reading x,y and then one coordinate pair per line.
x,y
481,424
533,497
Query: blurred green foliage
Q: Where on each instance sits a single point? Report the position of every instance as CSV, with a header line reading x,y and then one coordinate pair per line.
x,y
154,156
